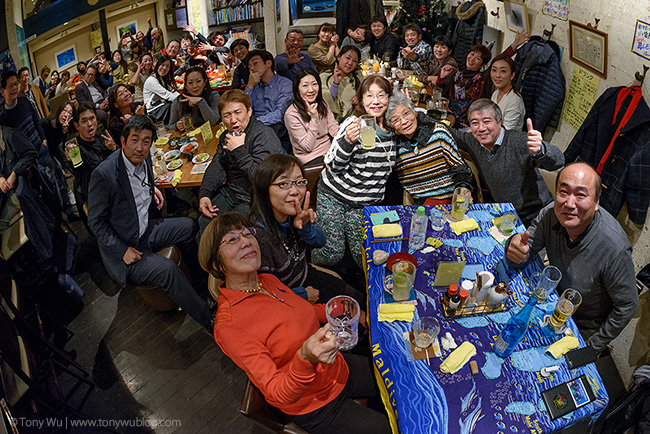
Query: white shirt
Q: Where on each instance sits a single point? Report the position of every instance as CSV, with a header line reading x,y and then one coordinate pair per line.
x,y
142,192
95,94
512,108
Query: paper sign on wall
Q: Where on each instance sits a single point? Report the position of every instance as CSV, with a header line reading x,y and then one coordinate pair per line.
x,y
556,8
581,96
641,44
206,132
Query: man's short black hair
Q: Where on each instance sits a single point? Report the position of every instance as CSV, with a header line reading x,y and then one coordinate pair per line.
x,y
237,42
84,107
379,19
6,76
139,123
443,40
264,55
20,71
174,40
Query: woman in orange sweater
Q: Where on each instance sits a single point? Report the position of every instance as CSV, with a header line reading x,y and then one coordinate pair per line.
x,y
276,337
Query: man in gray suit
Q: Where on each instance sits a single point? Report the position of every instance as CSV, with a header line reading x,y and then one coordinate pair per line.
x,y
122,203
89,91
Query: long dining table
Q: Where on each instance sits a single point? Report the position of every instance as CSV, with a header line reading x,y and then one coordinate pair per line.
x,y
505,395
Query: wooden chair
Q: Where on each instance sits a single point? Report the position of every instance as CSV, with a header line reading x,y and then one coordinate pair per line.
x,y
312,173
156,297
13,238
477,178
254,406
58,101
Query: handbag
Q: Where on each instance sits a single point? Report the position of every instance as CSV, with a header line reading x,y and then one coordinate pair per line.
x,y
161,112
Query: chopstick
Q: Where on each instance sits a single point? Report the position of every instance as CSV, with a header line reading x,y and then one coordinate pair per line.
x,y
388,240
426,350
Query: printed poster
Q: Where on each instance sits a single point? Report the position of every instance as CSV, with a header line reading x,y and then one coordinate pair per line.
x,y
581,96
641,45
557,8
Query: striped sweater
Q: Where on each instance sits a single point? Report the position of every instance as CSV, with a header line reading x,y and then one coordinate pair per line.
x,y
355,175
429,164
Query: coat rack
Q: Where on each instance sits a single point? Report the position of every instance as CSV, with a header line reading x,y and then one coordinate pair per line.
x,y
595,25
549,33
640,77
495,14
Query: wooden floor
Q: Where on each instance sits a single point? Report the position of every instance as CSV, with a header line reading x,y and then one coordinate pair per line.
x,y
154,369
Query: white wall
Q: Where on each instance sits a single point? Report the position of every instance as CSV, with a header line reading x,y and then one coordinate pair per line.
x,y
618,20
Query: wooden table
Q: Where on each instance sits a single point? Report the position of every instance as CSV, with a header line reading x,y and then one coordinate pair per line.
x,y
188,179
504,397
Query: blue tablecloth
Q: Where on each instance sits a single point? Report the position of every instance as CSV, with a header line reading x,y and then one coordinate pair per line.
x,y
505,397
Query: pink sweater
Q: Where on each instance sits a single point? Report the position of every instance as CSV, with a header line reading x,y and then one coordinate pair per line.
x,y
310,140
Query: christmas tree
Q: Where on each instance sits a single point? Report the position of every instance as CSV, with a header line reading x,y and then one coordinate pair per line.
x,y
430,15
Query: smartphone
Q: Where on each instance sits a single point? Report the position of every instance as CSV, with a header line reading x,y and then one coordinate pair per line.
x,y
580,357
382,218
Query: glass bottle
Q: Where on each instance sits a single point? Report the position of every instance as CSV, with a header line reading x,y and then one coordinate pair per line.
x,y
514,330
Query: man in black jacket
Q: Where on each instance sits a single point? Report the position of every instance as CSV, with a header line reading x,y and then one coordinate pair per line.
x,y
227,182
384,44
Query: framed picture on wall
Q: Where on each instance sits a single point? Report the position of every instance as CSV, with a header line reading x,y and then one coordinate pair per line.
x,y
126,27
588,47
517,16
66,57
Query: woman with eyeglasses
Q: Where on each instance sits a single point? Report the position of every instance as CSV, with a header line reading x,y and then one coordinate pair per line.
x,y
160,90
309,120
428,165
354,176
341,82
287,227
275,336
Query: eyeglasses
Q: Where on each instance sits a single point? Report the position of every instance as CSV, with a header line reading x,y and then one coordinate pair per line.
x,y
233,237
379,96
397,120
286,185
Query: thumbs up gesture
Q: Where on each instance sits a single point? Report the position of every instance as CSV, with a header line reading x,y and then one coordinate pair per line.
x,y
518,248
533,139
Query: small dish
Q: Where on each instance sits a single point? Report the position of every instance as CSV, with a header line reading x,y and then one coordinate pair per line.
x,y
171,155
174,164
201,158
189,148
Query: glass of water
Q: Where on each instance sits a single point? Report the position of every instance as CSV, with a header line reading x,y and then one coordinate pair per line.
x,y
425,330
547,281
160,128
438,219
343,316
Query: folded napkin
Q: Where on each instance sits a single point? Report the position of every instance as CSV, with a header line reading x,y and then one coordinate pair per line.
x,y
387,230
177,177
390,312
464,226
458,358
563,346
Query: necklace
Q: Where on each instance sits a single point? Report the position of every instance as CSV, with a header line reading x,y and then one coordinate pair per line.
x,y
257,289
293,252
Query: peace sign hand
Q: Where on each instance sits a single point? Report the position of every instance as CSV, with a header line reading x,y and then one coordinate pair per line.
x,y
304,214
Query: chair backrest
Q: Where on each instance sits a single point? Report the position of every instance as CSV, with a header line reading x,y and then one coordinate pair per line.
x,y
474,169
312,173
549,179
254,406
58,101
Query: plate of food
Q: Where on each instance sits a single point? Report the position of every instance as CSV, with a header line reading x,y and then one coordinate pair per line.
x,y
174,143
171,155
174,164
201,158
189,148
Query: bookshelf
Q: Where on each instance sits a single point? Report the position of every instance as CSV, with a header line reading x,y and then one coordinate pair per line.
x,y
237,11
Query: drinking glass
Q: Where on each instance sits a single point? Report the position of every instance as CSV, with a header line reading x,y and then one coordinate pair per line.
x,y
438,219
343,316
399,283
368,127
442,104
566,306
187,123
415,96
460,203
160,168
507,224
160,128
74,152
547,281
425,330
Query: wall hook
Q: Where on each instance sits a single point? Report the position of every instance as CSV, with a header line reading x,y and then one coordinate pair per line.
x,y
595,25
495,14
549,33
640,77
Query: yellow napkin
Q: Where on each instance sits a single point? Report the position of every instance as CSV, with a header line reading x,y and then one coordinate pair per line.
x,y
464,226
563,346
458,358
161,141
177,177
434,242
387,230
390,312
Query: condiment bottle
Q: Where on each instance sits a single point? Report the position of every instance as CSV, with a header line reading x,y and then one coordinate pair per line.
x,y
453,304
453,289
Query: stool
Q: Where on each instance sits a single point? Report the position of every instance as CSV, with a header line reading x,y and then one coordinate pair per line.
x,y
156,297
